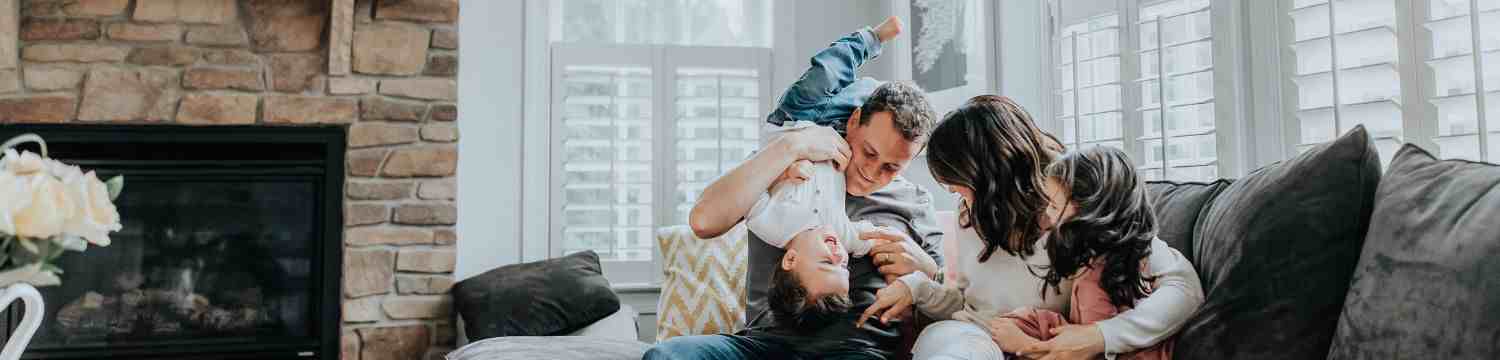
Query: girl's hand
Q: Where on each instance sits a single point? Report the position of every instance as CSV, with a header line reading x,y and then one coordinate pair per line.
x,y
1070,342
895,299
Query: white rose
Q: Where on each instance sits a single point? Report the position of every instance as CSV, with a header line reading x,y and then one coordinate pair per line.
x,y
47,212
22,163
93,215
13,197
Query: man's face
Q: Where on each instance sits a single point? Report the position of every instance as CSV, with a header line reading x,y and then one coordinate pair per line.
x,y
818,258
879,153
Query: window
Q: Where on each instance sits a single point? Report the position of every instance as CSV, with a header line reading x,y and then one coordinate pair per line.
x,y
1104,98
1347,60
637,133
1458,73
1183,144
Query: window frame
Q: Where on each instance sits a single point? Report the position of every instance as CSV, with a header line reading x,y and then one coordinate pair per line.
x,y
664,60
1231,81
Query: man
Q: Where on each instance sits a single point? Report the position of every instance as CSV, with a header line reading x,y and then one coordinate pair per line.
x,y
872,131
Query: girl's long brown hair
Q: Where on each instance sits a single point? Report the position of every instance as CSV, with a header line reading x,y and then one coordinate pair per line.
x,y
1115,223
991,145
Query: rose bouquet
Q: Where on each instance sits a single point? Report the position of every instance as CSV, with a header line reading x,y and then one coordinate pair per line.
x,y
46,208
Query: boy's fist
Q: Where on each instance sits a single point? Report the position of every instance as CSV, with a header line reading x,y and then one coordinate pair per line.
x,y
888,29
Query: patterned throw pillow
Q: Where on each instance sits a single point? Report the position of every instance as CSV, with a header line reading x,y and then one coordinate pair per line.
x,y
703,287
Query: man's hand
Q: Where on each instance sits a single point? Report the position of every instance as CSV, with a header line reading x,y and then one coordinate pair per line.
x,y
1070,342
798,173
891,303
818,143
896,255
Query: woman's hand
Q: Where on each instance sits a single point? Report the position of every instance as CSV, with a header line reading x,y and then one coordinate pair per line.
x,y
818,143
1069,342
896,255
1009,336
895,299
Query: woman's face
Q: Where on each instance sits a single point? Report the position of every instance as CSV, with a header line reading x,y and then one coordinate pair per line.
x,y
965,194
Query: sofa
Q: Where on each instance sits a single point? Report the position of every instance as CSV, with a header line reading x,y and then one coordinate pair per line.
x,y
1322,256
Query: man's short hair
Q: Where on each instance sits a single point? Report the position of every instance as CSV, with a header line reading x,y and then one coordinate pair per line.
x,y
910,112
792,306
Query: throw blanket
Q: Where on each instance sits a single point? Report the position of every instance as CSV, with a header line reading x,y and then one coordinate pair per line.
x,y
551,347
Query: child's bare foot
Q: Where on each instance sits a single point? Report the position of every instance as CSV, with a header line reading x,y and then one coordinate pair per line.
x,y
888,29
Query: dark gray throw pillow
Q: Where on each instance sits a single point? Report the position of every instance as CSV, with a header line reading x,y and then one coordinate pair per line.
x,y
1276,251
1428,282
543,298
1179,206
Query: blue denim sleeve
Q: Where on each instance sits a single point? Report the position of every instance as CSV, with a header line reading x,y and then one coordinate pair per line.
x,y
832,69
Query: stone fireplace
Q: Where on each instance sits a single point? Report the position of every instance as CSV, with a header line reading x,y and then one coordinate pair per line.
x,y
382,72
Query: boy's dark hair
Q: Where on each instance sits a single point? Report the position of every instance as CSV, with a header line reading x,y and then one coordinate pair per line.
x,y
791,305
989,144
910,112
1114,221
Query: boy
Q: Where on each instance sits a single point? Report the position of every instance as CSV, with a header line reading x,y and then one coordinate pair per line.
x,y
804,211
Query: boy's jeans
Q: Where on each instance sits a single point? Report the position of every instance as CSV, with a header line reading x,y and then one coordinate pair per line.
x,y
828,92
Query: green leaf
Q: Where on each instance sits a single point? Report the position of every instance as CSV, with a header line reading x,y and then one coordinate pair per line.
x,y
116,185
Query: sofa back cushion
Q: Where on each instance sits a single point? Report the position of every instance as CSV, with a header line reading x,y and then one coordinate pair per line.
x,y
1178,208
549,297
1276,251
703,283
1428,282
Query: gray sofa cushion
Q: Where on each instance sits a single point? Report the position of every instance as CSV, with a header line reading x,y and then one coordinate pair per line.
x,y
551,347
1276,251
1179,206
549,297
1428,282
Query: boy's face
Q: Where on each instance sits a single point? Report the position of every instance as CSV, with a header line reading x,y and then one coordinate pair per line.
x,y
879,153
818,258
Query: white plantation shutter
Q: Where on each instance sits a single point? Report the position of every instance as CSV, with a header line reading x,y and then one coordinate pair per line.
x,y
1458,72
1188,148
637,132
1346,58
1114,96
1088,84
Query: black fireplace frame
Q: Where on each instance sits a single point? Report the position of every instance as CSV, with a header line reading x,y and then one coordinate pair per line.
x,y
325,343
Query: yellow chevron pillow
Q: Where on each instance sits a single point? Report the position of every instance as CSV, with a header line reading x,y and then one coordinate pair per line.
x,y
703,287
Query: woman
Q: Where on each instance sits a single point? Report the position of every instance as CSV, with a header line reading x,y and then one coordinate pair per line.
x,y
990,153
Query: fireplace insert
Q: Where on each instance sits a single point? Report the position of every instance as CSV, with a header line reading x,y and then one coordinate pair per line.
x,y
231,247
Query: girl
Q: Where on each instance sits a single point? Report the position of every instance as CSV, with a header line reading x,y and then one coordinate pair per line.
x,y
1105,233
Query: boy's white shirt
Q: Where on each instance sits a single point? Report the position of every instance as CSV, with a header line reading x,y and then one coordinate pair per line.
x,y
789,209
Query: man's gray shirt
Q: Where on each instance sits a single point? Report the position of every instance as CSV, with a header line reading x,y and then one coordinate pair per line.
x,y
901,205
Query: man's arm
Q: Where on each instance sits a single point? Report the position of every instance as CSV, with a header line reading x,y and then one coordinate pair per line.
x,y
729,198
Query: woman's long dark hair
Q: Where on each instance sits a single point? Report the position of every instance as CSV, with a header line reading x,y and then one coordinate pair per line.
x,y
1114,223
990,145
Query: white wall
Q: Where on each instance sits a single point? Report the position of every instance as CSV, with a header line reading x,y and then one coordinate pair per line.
x,y
489,111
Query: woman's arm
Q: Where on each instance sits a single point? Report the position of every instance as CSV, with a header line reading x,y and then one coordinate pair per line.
x,y
726,201
934,298
1177,296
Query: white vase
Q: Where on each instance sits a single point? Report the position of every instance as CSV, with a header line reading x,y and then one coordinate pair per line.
x,y
30,320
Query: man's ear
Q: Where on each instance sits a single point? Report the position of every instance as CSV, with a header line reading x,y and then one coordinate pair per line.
x,y
853,119
789,261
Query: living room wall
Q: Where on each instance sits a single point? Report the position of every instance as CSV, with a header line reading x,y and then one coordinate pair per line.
x,y
385,70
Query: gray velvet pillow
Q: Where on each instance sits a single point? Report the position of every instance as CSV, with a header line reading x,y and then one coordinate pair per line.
x,y
543,298
1428,282
1276,251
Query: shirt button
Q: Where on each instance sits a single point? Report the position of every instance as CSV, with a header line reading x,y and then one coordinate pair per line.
x,y
815,211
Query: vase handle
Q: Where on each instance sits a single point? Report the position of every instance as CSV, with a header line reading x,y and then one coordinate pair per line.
x,y
30,320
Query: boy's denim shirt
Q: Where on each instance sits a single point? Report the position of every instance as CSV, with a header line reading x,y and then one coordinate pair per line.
x,y
828,92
